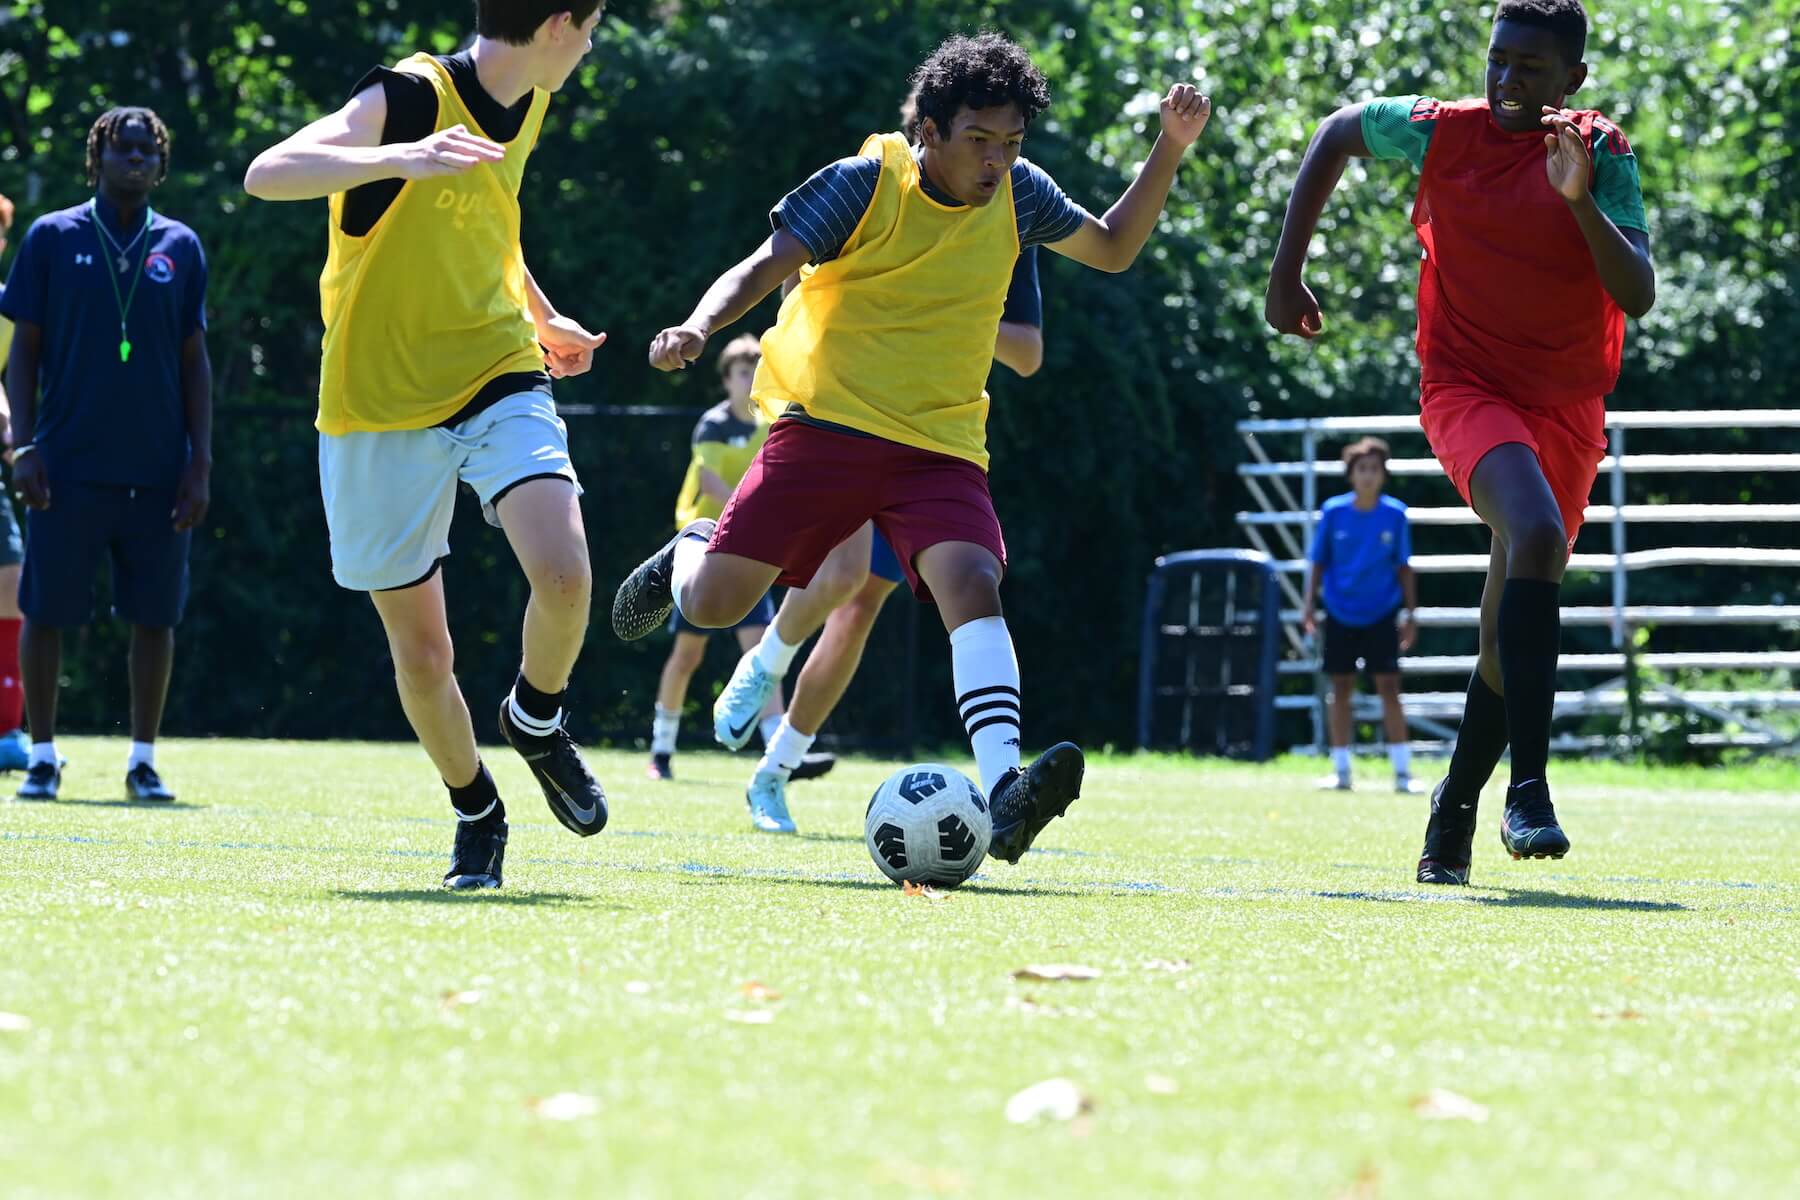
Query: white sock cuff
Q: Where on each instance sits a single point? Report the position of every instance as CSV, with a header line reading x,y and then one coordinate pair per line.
x,y
1400,755
786,748
141,752
43,752
534,726
774,655
477,816
1340,759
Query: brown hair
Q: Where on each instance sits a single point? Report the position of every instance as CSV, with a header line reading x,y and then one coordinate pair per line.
x,y
743,348
1364,448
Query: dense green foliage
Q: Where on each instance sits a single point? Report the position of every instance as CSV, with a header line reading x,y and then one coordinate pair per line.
x,y
261,993
692,117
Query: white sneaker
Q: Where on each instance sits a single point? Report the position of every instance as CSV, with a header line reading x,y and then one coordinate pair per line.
x,y
1335,783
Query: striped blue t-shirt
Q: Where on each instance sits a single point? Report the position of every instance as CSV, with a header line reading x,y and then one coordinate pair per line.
x,y
825,210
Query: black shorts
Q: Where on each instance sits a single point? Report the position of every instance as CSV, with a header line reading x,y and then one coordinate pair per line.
x,y
1376,646
87,524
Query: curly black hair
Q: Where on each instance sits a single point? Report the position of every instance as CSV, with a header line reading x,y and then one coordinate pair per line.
x,y
980,72
108,127
1565,19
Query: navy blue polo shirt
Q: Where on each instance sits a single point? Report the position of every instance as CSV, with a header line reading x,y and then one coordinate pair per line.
x,y
100,420
1362,553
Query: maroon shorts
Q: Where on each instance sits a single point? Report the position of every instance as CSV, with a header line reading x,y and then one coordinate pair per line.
x,y
1464,422
810,488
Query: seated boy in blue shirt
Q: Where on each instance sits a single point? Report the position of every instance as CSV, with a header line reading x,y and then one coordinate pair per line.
x,y
1361,548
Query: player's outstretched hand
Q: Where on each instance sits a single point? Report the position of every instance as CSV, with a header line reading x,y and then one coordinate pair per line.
x,y
674,348
1565,157
1184,114
568,348
448,152
1290,307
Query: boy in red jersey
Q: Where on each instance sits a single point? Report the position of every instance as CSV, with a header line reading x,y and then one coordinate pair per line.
x,y
1536,249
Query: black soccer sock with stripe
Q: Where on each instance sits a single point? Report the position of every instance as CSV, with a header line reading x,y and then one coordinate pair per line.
x,y
479,799
1530,639
986,674
1479,742
537,714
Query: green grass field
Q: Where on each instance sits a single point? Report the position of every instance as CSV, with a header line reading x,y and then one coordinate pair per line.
x,y
261,992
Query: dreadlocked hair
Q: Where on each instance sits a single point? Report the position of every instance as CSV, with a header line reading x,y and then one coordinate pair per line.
x,y
108,127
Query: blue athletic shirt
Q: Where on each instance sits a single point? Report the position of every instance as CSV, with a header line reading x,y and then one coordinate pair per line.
x,y
825,210
1361,553
100,420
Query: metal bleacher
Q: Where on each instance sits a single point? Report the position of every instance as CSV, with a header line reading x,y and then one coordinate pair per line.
x,y
1286,492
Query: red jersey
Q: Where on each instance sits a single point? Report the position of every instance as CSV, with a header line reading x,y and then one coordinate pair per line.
x,y
1509,297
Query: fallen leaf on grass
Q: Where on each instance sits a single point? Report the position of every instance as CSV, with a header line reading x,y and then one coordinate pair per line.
x,y
759,991
564,1106
908,887
1366,1187
1440,1104
1056,972
13,1023
461,999
1624,1014
750,1016
1161,1085
1053,1099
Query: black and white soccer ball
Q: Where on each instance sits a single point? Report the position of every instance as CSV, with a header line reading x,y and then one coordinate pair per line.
x,y
928,824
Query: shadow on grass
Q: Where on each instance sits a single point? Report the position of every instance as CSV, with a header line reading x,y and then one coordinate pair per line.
x,y
1512,898
976,888
479,896
845,838
121,802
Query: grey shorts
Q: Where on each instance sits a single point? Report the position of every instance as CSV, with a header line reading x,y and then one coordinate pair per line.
x,y
389,496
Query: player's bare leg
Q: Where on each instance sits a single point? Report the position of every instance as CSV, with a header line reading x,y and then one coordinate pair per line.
x,y
1339,729
542,520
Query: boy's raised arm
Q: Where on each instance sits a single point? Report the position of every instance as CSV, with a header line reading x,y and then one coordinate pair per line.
x,y
343,151
1289,306
1112,243
732,295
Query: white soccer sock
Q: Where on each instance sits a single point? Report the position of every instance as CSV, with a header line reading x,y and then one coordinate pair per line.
x,y
44,752
1340,761
986,674
529,725
768,726
1400,754
690,552
785,750
663,730
774,655
141,752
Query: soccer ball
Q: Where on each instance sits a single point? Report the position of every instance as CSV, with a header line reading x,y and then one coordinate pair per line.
x,y
928,824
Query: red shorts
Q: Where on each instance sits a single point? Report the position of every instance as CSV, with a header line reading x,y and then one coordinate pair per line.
x,y
1464,422
810,488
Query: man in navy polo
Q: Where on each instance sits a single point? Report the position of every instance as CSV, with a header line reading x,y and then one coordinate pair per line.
x,y
111,392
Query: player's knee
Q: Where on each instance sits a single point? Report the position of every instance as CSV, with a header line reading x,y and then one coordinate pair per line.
x,y
711,607
840,577
567,581
423,661
1539,546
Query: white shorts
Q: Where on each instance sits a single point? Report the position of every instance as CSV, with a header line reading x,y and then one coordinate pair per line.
x,y
389,496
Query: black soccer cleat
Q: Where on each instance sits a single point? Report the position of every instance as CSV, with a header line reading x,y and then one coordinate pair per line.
x,y
144,786
643,602
1449,841
575,797
812,766
1529,829
1025,801
476,858
660,768
42,781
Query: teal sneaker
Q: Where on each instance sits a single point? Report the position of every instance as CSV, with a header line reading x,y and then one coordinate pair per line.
x,y
740,705
15,751
767,798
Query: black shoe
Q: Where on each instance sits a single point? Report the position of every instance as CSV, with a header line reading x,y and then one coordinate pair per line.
x,y
1529,828
661,768
144,785
642,604
480,849
812,766
1025,801
1449,841
41,782
570,789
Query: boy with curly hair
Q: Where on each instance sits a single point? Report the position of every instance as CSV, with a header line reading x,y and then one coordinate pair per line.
x,y
875,371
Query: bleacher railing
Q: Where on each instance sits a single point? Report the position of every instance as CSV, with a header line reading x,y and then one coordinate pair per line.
x,y
1286,492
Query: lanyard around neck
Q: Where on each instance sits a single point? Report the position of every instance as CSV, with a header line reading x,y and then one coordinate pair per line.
x,y
124,300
